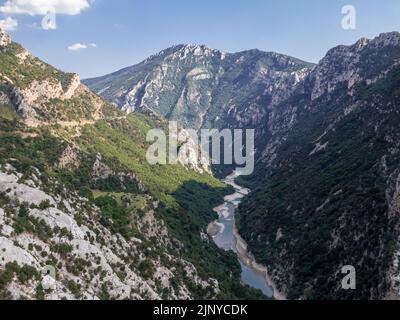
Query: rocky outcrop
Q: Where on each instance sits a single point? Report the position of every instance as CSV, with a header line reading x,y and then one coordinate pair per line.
x,y
69,159
101,171
190,154
23,56
43,90
5,39
49,89
75,82
23,106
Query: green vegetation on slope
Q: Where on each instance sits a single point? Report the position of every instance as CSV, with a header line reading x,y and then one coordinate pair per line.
x,y
7,112
186,198
330,207
32,69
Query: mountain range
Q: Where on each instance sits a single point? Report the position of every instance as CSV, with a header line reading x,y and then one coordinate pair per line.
x,y
202,87
326,182
76,192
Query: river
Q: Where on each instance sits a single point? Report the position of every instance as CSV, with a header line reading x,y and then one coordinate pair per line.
x,y
225,235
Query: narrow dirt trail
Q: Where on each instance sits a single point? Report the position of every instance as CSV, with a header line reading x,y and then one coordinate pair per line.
x,y
68,124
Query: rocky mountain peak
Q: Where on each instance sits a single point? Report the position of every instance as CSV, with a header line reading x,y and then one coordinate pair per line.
x,y
203,87
351,64
383,40
197,49
361,43
184,51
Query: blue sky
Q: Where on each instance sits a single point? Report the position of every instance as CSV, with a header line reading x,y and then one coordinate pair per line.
x,y
119,33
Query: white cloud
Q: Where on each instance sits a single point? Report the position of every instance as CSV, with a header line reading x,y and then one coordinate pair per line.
x,y
9,24
43,7
81,46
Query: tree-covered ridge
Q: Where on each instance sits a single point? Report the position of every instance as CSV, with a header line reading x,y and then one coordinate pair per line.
x,y
329,197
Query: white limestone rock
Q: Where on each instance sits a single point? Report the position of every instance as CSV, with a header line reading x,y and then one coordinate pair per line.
x,y
5,39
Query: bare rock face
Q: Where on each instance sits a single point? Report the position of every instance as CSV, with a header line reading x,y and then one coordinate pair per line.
x,y
50,89
190,154
100,170
73,86
23,106
45,90
5,39
69,159
23,55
